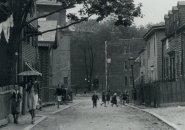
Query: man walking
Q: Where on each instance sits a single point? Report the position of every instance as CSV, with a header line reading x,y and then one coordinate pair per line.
x,y
94,99
108,97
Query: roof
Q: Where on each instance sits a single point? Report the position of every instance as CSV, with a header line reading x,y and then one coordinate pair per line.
x,y
181,3
48,2
174,8
47,25
152,30
170,12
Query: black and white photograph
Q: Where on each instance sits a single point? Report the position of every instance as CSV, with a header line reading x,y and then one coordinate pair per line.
x,y
92,64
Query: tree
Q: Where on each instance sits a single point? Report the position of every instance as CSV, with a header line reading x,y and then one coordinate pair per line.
x,y
89,59
124,11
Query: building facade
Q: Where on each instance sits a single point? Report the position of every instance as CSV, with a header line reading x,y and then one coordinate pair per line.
x,y
153,50
54,49
120,76
173,44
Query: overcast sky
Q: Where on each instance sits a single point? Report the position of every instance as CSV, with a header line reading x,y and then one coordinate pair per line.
x,y
154,10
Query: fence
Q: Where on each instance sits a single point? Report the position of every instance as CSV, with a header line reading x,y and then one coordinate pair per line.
x,y
5,107
158,93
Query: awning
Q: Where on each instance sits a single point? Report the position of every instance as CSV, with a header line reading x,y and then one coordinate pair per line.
x,y
31,72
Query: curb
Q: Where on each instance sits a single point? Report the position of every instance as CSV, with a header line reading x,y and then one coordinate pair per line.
x,y
54,112
172,125
36,122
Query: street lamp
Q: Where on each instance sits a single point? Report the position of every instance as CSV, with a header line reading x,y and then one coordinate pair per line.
x,y
131,62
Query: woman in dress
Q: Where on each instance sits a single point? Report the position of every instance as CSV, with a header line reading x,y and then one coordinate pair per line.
x,y
33,91
16,100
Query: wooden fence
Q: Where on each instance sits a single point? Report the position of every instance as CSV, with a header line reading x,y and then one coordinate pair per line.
x,y
156,94
5,103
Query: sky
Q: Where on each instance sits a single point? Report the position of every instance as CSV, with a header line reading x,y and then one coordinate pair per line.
x,y
154,10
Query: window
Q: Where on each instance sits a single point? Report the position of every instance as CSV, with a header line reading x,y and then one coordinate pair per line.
x,y
66,80
126,81
172,65
154,45
131,80
149,49
125,65
167,44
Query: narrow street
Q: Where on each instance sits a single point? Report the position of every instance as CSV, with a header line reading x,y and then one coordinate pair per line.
x,y
84,117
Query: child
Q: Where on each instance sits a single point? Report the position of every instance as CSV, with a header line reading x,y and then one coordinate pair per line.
x,y
94,99
114,100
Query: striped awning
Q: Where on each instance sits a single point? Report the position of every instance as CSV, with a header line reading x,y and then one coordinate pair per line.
x,y
31,72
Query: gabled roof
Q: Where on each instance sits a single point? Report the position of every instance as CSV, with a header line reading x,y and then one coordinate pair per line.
x,y
152,30
48,2
47,25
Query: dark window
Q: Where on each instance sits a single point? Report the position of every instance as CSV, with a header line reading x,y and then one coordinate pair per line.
x,y
126,81
125,65
65,80
172,66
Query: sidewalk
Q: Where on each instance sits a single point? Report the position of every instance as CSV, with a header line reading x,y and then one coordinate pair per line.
x,y
173,116
25,121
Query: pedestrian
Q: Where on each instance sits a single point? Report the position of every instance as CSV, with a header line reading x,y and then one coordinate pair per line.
x,y
127,95
108,96
58,94
33,91
114,100
124,97
103,99
16,102
64,95
94,99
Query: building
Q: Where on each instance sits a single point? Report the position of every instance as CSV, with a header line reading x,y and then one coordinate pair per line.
x,y
153,50
122,54
54,49
173,44
17,56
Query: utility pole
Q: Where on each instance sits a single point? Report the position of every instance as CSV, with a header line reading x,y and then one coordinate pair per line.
x,y
106,87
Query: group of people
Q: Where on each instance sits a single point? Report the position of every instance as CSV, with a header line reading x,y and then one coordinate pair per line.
x,y
106,98
61,95
32,89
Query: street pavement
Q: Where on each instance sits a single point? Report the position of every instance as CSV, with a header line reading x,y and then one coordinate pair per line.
x,y
84,117
174,115
25,120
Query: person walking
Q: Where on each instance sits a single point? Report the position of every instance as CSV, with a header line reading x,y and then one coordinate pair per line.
x,y
16,100
103,99
33,91
108,97
124,97
64,95
94,99
114,100
58,94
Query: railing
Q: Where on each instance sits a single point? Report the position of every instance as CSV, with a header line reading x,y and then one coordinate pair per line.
x,y
5,103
